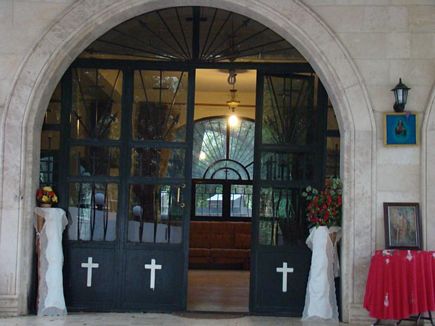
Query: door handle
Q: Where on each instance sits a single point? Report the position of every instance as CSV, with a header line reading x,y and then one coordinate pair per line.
x,y
182,186
178,194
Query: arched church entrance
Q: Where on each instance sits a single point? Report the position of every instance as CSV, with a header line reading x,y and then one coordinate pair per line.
x,y
80,25
142,145
125,116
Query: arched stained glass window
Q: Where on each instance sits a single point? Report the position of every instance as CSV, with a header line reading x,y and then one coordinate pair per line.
x,y
223,152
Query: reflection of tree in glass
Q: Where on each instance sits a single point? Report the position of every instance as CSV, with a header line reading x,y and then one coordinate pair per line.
x,y
96,103
95,160
155,118
286,110
92,203
156,205
156,121
279,206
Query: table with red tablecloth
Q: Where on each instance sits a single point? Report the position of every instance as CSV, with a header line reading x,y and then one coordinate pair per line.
x,y
400,283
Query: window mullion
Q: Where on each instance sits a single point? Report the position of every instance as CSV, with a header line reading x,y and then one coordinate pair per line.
x,y
226,200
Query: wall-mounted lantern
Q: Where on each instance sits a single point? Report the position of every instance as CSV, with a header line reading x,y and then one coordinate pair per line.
x,y
400,96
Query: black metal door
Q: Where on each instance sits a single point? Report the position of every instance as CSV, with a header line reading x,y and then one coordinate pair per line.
x,y
289,150
127,155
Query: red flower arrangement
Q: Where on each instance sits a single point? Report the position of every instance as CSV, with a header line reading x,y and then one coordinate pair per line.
x,y
324,207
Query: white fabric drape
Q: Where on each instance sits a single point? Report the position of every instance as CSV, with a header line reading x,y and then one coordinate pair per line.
x,y
320,299
51,301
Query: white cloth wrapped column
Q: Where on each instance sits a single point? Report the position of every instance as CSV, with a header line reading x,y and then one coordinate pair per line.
x,y
320,299
50,301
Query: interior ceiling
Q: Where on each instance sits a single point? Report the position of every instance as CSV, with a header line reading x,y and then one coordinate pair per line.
x,y
168,35
214,80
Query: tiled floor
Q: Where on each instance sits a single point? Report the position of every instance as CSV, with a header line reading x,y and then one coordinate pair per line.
x,y
128,319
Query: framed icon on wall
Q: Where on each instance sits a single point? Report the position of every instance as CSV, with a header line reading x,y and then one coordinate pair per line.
x,y
400,129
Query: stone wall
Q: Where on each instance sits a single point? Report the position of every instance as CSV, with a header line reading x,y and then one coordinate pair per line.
x,y
22,24
359,48
388,39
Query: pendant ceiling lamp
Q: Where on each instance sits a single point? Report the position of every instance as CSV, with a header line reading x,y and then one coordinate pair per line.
x,y
232,103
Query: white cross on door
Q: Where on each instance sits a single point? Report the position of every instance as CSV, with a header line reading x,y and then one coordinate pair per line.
x,y
284,270
89,265
152,267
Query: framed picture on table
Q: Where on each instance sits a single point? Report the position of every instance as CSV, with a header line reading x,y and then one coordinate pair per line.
x,y
402,226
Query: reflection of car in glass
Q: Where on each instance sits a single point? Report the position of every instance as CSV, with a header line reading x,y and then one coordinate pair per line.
x,y
214,207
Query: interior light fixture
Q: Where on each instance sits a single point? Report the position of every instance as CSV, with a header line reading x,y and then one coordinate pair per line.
x,y
233,120
202,156
232,103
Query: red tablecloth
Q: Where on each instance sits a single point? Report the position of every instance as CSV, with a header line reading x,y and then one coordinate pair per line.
x,y
401,283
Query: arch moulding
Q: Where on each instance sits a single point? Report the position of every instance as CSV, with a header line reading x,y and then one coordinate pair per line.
x,y
83,22
428,171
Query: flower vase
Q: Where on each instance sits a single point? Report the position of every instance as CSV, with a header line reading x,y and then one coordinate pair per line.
x,y
45,205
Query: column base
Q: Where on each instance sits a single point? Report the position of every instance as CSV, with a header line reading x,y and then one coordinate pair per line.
x,y
9,306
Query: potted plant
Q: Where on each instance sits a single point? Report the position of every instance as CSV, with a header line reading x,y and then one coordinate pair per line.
x,y
46,197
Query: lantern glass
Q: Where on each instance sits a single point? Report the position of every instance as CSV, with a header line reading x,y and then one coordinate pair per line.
x,y
405,96
399,96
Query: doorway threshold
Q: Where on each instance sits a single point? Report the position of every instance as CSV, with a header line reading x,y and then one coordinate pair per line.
x,y
211,315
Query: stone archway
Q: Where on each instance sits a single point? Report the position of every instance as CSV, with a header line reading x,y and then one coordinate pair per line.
x,y
428,171
87,20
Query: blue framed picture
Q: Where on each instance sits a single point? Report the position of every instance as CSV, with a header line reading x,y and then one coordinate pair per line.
x,y
400,129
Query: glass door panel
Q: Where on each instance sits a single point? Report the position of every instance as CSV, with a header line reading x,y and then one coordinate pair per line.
x,y
288,110
160,105
281,219
290,141
127,146
94,161
96,103
286,166
158,162
92,116
155,213
158,173
93,208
